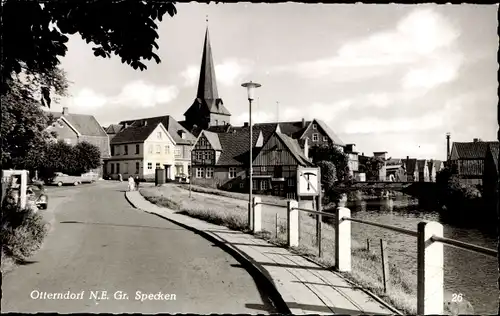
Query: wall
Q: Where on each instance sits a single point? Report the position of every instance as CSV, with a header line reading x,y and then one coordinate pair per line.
x,y
164,157
119,151
127,167
218,119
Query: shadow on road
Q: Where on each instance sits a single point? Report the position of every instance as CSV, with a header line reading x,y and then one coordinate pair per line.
x,y
310,309
331,285
120,225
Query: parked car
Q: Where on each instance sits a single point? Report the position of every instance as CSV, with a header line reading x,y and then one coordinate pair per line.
x,y
89,177
36,192
61,178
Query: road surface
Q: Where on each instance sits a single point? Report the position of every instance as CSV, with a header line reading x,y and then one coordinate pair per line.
x,y
100,243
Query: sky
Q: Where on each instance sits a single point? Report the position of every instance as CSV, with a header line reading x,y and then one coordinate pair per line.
x,y
392,78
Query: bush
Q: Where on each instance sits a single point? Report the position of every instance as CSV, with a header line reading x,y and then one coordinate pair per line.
x,y
22,231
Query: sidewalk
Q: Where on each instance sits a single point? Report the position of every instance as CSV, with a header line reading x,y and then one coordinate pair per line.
x,y
305,288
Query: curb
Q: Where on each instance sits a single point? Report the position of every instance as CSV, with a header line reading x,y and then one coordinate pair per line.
x,y
253,268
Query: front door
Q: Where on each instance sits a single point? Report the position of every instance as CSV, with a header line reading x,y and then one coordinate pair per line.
x,y
168,176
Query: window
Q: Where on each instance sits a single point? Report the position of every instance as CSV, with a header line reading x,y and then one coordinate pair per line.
x,y
254,184
112,150
158,135
263,185
137,168
137,149
223,122
315,137
232,172
157,165
210,172
126,149
150,149
112,168
200,172
216,122
203,141
204,155
177,153
158,149
242,185
290,182
315,126
150,165
325,138
189,171
126,168
263,169
118,167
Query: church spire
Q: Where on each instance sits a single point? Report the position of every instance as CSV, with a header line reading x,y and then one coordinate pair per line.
x,y
207,86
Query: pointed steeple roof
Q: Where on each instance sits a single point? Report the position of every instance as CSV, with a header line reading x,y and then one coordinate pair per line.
x,y
207,85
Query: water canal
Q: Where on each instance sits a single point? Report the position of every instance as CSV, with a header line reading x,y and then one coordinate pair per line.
x,y
471,274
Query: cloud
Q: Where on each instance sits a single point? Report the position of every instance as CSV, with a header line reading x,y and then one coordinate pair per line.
x,y
134,94
394,125
229,72
417,37
88,99
142,94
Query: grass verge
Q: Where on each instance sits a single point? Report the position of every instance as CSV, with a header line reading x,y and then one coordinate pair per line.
x,y
230,209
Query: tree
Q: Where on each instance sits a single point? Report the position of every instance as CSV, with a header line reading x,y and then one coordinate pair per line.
x,y
72,160
328,174
333,154
34,35
372,166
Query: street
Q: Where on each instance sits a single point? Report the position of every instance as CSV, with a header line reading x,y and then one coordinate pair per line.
x,y
98,242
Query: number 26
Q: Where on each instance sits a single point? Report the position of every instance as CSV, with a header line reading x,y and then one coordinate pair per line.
x,y
456,297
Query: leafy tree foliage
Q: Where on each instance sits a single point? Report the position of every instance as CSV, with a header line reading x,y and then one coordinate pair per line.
x,y
332,154
72,160
328,174
34,34
371,167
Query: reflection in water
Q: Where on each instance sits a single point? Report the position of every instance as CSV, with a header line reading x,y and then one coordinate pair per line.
x,y
472,274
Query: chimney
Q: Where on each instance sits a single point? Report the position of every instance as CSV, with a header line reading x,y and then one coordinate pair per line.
x,y
65,110
475,140
306,147
245,124
447,146
303,122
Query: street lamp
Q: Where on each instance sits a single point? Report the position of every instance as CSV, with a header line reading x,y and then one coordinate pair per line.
x,y
250,90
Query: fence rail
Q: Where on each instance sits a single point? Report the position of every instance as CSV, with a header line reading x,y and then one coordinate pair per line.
x,y
430,242
466,246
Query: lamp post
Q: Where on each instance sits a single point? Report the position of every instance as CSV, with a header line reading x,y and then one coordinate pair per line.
x,y
250,90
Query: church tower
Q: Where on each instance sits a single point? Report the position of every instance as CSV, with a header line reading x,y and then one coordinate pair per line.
x,y
207,109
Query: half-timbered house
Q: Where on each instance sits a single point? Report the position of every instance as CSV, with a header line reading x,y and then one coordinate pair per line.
x,y
412,174
423,170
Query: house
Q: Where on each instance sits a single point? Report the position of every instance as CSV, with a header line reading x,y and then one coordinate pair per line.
x,y
221,160
139,149
412,174
467,160
382,173
395,170
423,170
183,139
434,167
73,128
491,175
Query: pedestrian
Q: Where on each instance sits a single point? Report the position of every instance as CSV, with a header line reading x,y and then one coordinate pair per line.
x,y
131,183
136,183
120,177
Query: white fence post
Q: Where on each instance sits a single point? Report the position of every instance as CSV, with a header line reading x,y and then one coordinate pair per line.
x,y
250,215
343,240
293,223
257,214
430,275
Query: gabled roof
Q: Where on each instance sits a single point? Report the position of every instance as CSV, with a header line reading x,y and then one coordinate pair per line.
x,y
84,124
235,147
114,128
394,161
334,138
135,134
171,125
294,148
433,163
471,150
213,139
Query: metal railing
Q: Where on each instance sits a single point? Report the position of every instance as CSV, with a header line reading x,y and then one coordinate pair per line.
x,y
430,241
